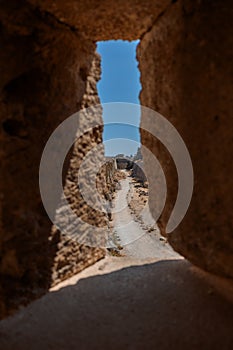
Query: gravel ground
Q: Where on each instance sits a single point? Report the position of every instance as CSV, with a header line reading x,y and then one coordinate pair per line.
x,y
137,233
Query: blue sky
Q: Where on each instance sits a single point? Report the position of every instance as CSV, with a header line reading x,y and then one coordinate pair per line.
x,y
120,82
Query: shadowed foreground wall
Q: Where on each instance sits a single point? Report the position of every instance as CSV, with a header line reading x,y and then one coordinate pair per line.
x,y
47,73
49,70
186,74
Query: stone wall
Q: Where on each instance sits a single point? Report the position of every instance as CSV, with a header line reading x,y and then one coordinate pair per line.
x,y
124,163
186,75
46,59
73,253
48,71
138,171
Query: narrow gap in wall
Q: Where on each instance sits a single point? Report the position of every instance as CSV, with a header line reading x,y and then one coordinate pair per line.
x,y
120,82
134,231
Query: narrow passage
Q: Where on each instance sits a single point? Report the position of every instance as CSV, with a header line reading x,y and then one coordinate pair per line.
x,y
132,235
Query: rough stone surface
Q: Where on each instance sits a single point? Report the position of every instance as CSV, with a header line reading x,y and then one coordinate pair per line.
x,y
137,171
45,77
77,247
105,20
48,50
186,75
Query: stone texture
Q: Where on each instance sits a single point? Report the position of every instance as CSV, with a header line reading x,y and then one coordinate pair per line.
x,y
44,78
74,253
124,163
48,52
105,20
137,171
186,74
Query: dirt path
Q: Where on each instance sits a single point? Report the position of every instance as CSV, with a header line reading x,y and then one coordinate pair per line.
x,y
136,241
128,303
161,305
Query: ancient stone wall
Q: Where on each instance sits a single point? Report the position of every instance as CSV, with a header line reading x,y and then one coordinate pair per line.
x,y
47,55
138,172
124,163
74,252
186,75
48,71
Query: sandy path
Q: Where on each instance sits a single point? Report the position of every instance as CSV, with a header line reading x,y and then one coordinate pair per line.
x,y
135,240
128,303
162,305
